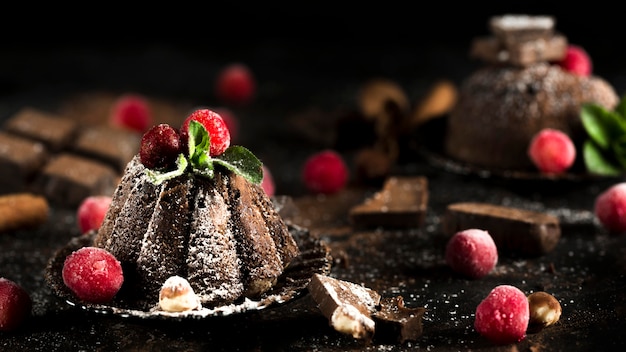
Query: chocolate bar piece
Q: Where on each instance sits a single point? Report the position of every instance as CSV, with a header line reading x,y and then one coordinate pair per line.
x,y
68,179
513,29
492,50
397,323
402,203
114,146
348,306
20,159
513,230
54,131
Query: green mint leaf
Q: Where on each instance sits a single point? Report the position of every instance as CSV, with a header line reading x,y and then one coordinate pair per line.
x,y
241,161
602,125
619,150
621,108
158,177
199,145
596,163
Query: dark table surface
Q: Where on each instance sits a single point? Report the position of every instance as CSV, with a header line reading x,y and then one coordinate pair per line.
x,y
586,271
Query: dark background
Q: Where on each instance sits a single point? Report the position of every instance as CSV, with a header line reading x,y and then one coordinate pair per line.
x,y
299,51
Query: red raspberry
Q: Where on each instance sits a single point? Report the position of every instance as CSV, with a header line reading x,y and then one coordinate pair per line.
x,y
231,121
472,253
610,208
268,182
325,172
552,151
132,111
215,126
91,212
235,84
160,147
93,274
576,61
503,316
15,305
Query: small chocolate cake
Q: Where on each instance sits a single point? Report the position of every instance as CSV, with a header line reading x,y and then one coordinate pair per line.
x,y
222,234
500,109
518,92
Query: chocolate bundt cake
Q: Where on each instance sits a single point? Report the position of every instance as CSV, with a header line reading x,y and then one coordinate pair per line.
x,y
222,234
501,108
211,225
520,90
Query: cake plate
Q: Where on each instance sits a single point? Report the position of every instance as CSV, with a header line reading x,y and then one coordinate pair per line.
x,y
427,142
314,258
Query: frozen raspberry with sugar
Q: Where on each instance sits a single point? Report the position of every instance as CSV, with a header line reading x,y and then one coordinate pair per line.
x,y
610,208
231,120
160,147
268,182
472,253
503,316
91,212
216,128
15,305
325,172
93,274
552,151
235,84
132,111
576,61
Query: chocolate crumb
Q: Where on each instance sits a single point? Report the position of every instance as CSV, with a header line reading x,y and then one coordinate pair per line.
x,y
396,322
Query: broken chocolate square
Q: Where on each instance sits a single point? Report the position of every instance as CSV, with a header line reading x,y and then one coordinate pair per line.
x,y
513,230
114,146
492,50
397,323
54,131
20,159
402,203
68,179
513,29
348,306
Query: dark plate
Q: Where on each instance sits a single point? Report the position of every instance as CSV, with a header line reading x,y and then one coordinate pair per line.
x,y
428,141
314,258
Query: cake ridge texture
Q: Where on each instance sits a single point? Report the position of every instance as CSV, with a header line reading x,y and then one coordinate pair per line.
x,y
222,234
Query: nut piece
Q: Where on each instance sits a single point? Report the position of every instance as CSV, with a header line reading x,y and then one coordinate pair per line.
x,y
176,295
545,309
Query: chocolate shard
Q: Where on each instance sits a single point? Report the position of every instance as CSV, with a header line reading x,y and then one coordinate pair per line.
x,y
397,323
402,203
110,145
348,306
68,179
523,54
56,132
513,28
20,161
513,230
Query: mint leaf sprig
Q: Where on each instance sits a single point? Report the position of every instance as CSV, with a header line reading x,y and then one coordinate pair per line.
x,y
604,152
237,159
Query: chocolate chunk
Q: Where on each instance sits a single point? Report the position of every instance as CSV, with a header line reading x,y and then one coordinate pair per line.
x,y
513,29
20,160
490,49
401,203
68,179
114,146
513,230
397,323
54,131
348,306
